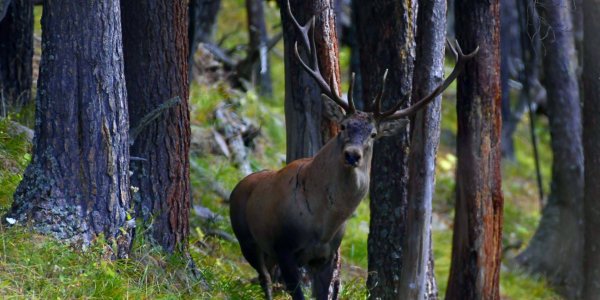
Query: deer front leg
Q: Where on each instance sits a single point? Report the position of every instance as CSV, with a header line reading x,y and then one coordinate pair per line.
x,y
290,272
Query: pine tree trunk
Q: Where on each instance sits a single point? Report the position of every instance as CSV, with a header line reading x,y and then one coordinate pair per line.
x,y
591,147
77,185
418,278
257,28
556,248
156,53
16,55
386,35
477,240
307,129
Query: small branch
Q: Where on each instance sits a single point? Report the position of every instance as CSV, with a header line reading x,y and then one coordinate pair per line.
x,y
150,117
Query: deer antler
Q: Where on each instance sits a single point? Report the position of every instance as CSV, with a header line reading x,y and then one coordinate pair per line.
x,y
309,43
394,113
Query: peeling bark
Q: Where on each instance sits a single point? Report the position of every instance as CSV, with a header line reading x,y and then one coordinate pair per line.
x,y
477,239
77,185
156,56
418,279
386,35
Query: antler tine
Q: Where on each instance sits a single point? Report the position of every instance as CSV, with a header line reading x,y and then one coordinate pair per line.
x,y
314,71
351,94
377,103
461,60
303,29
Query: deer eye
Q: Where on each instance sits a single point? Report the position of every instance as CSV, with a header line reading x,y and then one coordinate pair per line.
x,y
373,135
342,127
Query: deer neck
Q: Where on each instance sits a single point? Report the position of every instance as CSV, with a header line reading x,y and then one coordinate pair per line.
x,y
334,188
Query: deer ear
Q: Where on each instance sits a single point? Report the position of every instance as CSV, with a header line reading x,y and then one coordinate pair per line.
x,y
331,110
391,127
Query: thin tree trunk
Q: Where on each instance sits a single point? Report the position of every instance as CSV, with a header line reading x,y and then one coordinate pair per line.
x,y
156,53
259,40
307,127
386,35
77,185
591,147
16,55
556,248
476,246
418,278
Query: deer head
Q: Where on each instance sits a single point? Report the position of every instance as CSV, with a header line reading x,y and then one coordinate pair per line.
x,y
358,128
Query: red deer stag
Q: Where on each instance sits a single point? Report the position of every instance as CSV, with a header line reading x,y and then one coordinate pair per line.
x,y
295,217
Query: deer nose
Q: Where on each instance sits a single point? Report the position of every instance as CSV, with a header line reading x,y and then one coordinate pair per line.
x,y
352,156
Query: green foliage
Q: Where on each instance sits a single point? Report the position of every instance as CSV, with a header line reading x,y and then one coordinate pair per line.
x,y
14,157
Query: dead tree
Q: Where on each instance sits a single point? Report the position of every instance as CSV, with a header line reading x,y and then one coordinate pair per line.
x,y
476,247
418,279
259,40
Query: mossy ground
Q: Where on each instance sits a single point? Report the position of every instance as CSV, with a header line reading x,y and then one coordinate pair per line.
x,y
34,266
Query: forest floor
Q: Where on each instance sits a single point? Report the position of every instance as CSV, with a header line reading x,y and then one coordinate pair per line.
x,y
34,266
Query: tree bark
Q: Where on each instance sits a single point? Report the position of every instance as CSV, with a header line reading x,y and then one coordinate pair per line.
x,y
16,55
307,127
556,248
156,53
418,278
259,40
386,35
202,19
476,246
591,147
77,185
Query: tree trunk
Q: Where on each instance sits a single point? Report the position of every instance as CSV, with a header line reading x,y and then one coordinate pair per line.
x,y
556,248
418,278
202,19
259,39
386,35
591,147
77,187
307,128
156,52
16,55
476,246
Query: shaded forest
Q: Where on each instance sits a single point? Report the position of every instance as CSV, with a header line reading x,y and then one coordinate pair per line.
x,y
288,149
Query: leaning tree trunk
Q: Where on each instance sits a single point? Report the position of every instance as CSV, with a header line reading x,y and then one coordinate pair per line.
x,y
16,55
202,19
476,246
77,185
156,52
259,39
591,147
386,31
418,278
307,127
556,248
